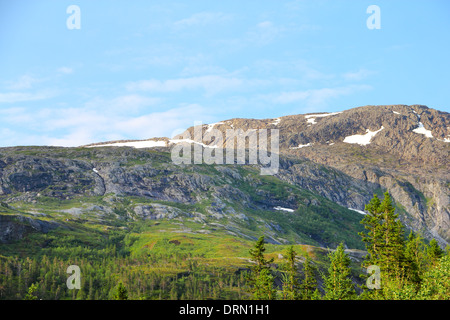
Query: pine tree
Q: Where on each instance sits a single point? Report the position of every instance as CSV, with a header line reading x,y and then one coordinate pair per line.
x,y
415,257
260,272
308,286
290,283
121,292
338,283
264,288
434,252
31,295
384,240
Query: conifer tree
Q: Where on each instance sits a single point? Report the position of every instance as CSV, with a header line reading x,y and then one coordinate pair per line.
x,y
338,283
290,283
309,283
415,256
384,240
258,280
121,292
434,252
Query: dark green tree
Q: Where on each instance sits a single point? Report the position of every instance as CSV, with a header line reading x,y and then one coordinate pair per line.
x,y
308,287
121,292
338,282
434,252
384,240
290,281
257,279
415,257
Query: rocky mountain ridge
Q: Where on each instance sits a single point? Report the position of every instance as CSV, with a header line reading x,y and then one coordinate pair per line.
x,y
343,157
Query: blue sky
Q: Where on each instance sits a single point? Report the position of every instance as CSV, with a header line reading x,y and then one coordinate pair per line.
x,y
142,69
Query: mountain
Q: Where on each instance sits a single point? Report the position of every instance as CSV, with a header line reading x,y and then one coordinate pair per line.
x,y
330,165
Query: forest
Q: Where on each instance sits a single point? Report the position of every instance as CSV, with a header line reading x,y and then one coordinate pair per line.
x,y
406,267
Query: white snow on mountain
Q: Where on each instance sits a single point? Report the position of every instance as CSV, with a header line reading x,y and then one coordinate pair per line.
x,y
135,144
311,118
283,209
359,211
421,129
301,146
276,122
362,139
211,126
176,141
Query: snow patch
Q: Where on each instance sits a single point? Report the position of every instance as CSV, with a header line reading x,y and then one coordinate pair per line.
x,y
359,211
421,129
276,122
395,112
176,141
283,209
311,118
95,170
301,146
135,144
362,139
211,126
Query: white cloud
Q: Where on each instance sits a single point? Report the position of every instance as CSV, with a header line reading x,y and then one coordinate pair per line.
x,y
24,82
12,97
318,97
202,19
357,75
211,84
264,33
71,127
127,103
65,70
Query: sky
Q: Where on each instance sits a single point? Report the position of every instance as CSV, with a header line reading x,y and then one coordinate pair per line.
x,y
113,70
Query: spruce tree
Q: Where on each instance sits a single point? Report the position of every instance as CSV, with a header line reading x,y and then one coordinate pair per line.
x,y
338,283
384,240
308,286
121,292
415,257
434,252
290,283
259,276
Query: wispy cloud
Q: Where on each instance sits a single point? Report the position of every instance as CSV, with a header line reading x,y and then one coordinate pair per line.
x,y
357,75
24,82
12,97
318,97
202,19
65,70
211,84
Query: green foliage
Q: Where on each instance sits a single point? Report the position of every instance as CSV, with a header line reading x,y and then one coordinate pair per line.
x,y
260,279
338,282
436,281
308,287
121,292
290,279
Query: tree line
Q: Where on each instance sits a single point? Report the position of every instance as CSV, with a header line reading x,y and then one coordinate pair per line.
x,y
406,268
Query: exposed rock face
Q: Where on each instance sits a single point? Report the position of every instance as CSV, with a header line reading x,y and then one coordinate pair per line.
x,y
408,154
16,227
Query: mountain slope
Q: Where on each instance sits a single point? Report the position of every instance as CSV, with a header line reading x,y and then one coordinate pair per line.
x,y
319,173
404,149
